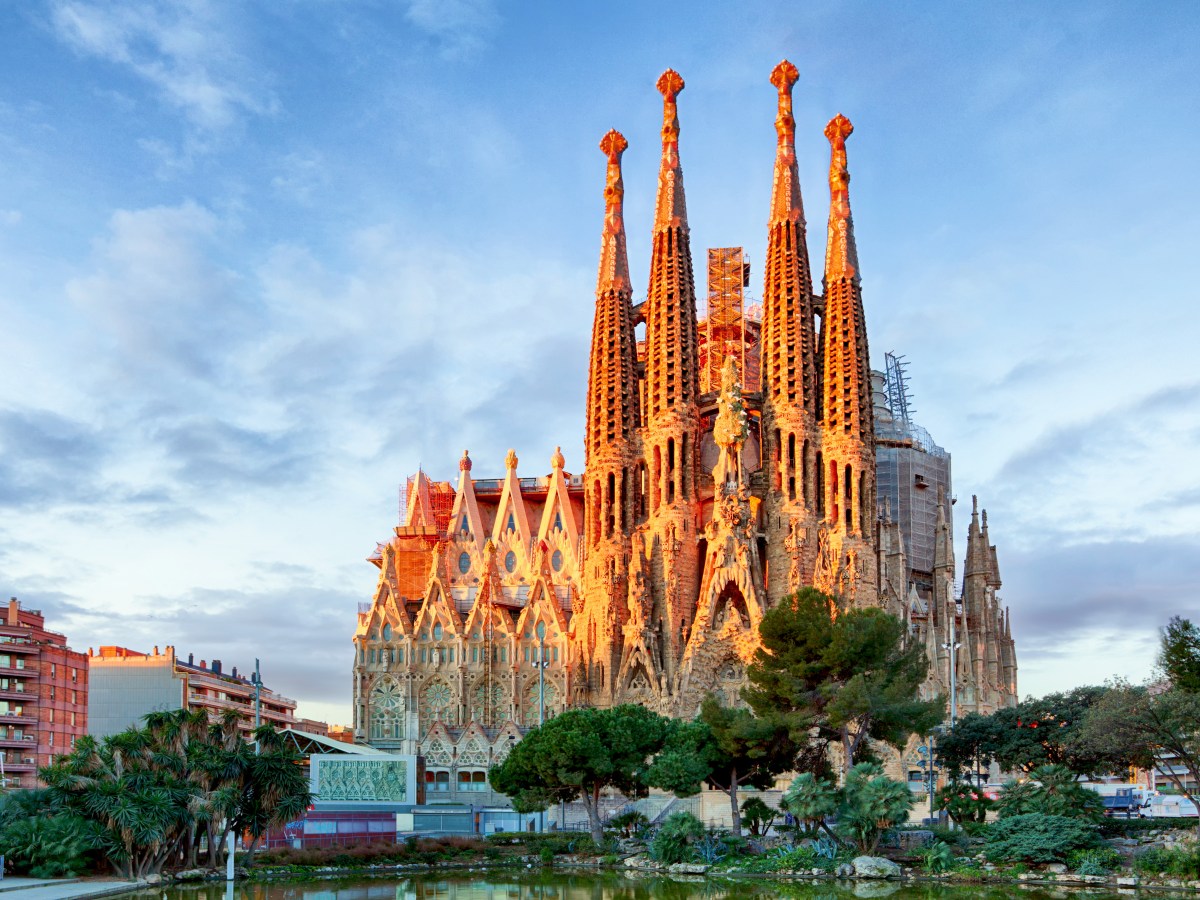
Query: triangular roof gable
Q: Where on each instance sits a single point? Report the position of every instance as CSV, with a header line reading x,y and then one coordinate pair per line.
x,y
543,605
420,506
465,519
489,589
512,505
438,607
557,510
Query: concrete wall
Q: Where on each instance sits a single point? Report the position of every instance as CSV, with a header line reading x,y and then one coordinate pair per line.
x,y
121,691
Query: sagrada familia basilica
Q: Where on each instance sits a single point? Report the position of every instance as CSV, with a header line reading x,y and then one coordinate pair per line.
x,y
720,475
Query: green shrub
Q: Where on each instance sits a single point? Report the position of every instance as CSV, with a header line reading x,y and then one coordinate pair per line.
x,y
1125,827
673,842
1181,862
757,816
1038,838
630,822
936,858
559,842
38,838
870,804
965,803
1097,861
546,854
1051,791
957,838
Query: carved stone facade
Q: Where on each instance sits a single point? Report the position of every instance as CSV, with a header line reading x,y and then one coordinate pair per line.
x,y
504,601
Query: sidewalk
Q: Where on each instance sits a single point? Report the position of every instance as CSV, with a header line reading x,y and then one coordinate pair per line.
x,y
61,888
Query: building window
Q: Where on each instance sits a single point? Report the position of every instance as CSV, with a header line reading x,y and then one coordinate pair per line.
x,y
52,693
464,562
510,562
437,632
556,560
423,655
438,780
387,632
472,781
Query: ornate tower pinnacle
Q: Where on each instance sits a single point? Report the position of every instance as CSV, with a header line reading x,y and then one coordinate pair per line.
x,y
789,362
841,255
671,210
785,197
614,260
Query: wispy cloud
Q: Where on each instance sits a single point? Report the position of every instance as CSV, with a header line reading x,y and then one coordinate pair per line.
x,y
460,27
188,52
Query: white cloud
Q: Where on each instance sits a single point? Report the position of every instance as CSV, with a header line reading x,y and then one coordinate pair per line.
x,y
187,52
460,26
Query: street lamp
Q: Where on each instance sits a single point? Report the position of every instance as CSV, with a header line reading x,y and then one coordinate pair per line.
x,y
257,682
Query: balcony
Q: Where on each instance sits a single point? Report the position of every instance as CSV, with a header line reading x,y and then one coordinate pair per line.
x,y
14,719
17,692
21,764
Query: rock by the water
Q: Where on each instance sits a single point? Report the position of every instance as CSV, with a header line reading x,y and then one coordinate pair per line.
x,y
1056,868
875,867
687,869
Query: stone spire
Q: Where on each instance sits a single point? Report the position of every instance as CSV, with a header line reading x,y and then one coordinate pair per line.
x,y
614,261
789,368
611,446
847,370
672,375
612,387
841,254
670,417
847,420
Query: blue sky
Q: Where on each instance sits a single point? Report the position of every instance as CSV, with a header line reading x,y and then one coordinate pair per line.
x,y
259,261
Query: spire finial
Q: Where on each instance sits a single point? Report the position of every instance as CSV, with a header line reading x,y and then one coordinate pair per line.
x,y
464,464
671,210
784,76
841,257
614,259
557,460
510,459
786,204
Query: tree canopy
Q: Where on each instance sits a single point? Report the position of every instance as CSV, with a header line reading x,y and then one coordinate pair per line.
x,y
1179,654
727,747
851,675
578,754
1038,731
152,793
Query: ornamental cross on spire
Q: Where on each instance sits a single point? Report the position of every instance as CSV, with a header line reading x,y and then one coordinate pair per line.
x,y
671,210
614,259
786,203
841,256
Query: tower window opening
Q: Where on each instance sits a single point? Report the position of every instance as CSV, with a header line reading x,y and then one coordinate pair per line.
x,y
609,500
791,455
833,491
820,485
670,470
849,498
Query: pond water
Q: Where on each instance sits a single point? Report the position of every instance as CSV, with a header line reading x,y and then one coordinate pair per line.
x,y
549,885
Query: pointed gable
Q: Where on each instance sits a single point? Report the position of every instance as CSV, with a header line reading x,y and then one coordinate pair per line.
x,y
558,524
420,510
466,524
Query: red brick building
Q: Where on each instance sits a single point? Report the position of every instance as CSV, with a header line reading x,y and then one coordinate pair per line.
x,y
43,695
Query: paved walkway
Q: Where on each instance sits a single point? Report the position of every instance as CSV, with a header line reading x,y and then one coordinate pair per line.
x,y
61,888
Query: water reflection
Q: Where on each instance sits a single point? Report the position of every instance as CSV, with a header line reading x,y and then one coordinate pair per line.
x,y
614,886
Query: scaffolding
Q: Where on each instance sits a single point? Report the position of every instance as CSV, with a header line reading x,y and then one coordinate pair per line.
x,y
725,325
897,387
